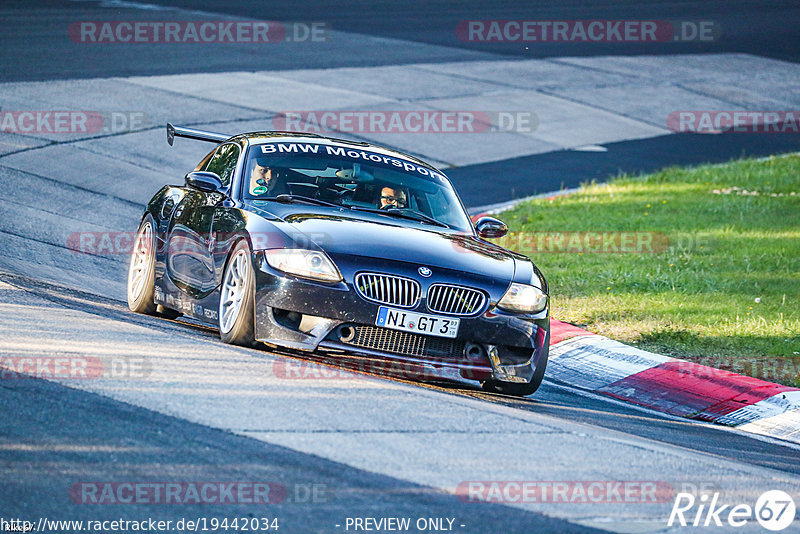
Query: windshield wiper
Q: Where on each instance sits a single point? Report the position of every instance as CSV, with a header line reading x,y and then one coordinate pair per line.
x,y
409,214
288,199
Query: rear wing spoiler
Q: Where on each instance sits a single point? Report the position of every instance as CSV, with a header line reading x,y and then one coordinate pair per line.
x,y
191,133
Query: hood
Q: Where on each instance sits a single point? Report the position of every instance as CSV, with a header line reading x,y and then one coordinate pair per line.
x,y
377,236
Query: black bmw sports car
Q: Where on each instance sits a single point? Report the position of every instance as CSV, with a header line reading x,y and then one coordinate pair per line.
x,y
341,247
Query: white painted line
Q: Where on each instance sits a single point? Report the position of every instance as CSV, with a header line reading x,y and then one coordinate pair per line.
x,y
590,148
494,209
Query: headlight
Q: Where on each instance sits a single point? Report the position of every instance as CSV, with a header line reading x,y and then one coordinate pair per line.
x,y
523,298
305,263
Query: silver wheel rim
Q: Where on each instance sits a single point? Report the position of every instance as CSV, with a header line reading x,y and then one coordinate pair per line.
x,y
233,290
140,261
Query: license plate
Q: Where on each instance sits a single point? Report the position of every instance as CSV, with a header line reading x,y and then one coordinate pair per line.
x,y
418,323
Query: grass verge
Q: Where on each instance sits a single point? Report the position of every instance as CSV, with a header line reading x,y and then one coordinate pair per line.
x,y
699,263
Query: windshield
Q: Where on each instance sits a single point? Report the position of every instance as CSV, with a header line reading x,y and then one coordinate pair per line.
x,y
352,178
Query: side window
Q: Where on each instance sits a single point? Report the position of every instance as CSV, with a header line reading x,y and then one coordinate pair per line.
x,y
202,165
224,162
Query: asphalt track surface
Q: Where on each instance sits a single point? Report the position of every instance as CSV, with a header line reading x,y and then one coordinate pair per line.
x,y
565,169
56,435
376,446
762,28
746,26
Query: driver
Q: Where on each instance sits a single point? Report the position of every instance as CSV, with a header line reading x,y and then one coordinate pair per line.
x,y
265,179
392,198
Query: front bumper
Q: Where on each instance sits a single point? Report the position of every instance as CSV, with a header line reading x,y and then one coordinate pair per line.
x,y
307,315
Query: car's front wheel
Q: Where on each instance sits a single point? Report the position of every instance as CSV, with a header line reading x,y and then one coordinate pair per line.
x,y
510,388
141,272
517,389
237,296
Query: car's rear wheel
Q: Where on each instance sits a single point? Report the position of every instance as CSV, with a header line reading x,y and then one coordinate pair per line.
x,y
141,272
237,296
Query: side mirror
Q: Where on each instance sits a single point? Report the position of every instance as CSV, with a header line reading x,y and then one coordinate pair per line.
x,y
204,181
490,228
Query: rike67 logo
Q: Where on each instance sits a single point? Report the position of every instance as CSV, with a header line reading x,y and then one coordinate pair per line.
x,y
774,510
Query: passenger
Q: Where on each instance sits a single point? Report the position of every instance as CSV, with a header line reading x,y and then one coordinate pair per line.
x,y
392,198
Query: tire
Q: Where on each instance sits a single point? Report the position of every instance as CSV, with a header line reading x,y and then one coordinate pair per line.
x,y
515,388
141,271
237,298
167,313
